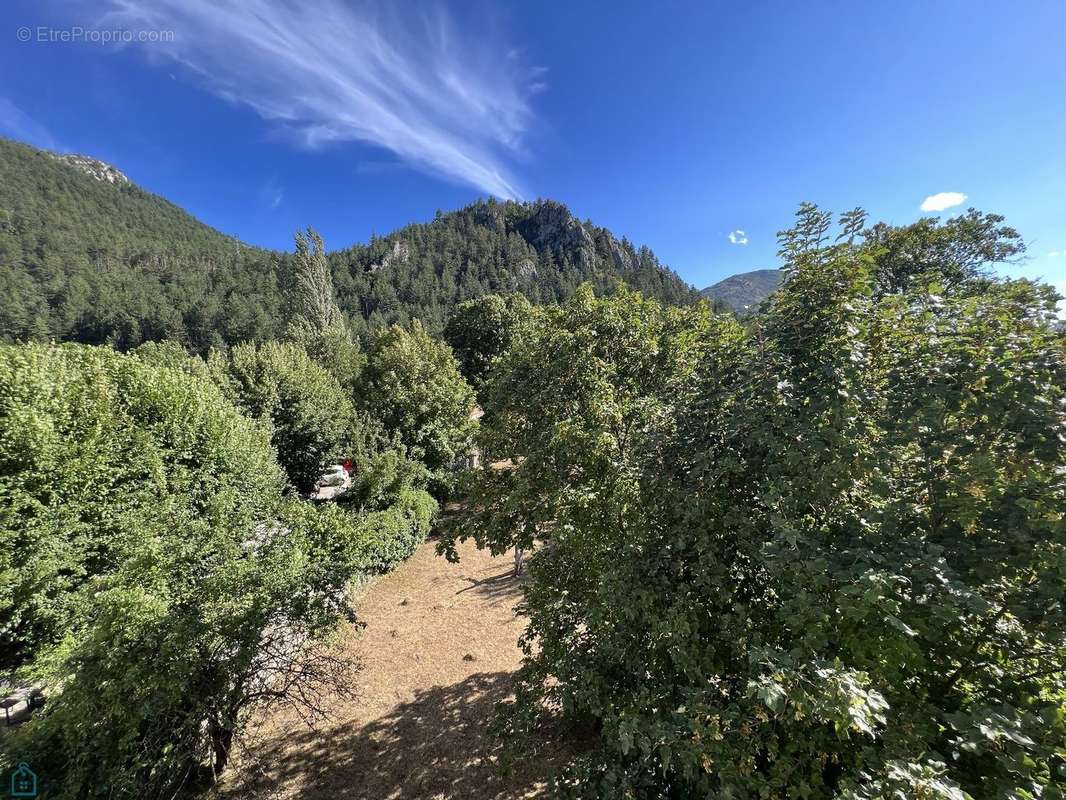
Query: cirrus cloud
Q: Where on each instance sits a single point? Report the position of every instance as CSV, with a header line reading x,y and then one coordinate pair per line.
x,y
942,201
445,99
18,124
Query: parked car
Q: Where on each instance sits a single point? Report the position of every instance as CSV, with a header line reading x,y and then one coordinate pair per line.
x,y
334,481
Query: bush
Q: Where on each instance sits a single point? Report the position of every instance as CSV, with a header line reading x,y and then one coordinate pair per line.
x,y
393,534
381,477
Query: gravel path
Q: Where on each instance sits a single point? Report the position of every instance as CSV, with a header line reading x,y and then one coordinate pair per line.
x,y
437,654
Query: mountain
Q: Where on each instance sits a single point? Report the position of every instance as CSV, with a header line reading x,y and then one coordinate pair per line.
x,y
539,249
87,255
745,291
92,259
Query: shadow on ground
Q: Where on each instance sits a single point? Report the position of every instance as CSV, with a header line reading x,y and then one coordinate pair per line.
x,y
435,746
504,587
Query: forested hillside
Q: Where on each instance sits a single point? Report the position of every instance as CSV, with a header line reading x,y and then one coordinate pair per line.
x,y
538,249
88,260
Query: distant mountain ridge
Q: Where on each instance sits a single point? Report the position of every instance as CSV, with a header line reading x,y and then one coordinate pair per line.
x,y
746,290
87,255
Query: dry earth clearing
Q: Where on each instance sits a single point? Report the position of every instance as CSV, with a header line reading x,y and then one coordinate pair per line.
x,y
438,654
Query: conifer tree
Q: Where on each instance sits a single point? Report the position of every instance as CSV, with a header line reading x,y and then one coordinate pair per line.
x,y
314,302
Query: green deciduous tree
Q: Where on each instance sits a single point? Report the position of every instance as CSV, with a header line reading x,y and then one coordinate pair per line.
x,y
152,575
952,254
311,416
818,556
411,383
480,331
571,402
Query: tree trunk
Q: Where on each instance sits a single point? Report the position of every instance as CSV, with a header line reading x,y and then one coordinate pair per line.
x,y
221,741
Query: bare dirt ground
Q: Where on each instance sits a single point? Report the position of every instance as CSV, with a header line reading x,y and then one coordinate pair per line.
x,y
438,653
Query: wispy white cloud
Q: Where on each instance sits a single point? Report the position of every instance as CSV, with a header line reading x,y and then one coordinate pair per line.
x,y
942,201
738,237
1054,254
272,193
450,101
17,124
378,166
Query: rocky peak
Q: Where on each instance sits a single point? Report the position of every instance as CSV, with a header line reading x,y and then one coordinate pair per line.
x,y
552,226
92,167
491,216
623,258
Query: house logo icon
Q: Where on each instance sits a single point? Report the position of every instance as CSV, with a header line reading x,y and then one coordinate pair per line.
x,y
23,782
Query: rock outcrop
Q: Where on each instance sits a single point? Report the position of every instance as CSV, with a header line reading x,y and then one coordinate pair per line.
x,y
551,226
399,254
94,168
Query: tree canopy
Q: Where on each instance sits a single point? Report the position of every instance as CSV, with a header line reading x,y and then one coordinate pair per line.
x,y
412,384
154,574
818,555
311,416
480,332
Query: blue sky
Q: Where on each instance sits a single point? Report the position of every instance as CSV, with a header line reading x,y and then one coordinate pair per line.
x,y
674,124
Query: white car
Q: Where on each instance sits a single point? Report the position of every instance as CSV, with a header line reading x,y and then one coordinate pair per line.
x,y
333,476
334,481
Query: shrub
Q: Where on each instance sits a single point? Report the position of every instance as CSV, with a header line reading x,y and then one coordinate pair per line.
x,y
393,534
382,476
